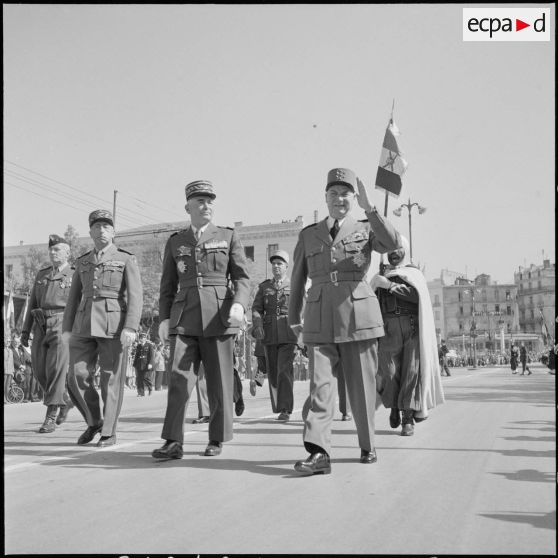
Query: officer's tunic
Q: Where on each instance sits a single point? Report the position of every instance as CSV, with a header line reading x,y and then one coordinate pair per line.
x,y
270,311
201,280
105,297
49,355
342,321
398,354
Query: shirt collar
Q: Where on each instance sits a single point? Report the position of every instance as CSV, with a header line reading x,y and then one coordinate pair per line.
x,y
331,220
201,230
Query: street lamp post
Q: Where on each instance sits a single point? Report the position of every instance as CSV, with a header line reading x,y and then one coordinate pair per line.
x,y
409,206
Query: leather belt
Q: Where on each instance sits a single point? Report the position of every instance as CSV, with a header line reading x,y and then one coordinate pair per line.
x,y
53,312
401,312
337,276
204,282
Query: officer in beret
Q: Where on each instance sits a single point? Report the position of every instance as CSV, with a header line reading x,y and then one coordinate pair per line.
x,y
49,354
101,318
342,318
270,325
204,292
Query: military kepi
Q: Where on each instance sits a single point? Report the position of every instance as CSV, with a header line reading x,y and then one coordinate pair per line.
x,y
200,188
100,215
345,177
281,254
54,239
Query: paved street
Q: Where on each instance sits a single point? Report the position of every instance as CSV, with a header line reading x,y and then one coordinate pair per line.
x,y
478,477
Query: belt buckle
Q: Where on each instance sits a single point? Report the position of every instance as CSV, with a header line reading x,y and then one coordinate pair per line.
x,y
199,281
333,277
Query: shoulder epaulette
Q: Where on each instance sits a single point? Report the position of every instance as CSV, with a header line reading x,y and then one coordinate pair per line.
x,y
308,226
86,254
230,228
45,268
174,234
363,221
125,251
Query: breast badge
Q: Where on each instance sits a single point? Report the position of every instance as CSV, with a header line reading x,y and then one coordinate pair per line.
x,y
184,251
359,259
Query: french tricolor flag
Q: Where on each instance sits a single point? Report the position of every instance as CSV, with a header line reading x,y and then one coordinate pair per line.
x,y
392,165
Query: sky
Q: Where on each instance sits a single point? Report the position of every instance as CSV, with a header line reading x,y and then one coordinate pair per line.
x,y
263,100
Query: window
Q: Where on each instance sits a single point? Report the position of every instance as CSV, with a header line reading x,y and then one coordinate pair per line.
x,y
249,252
508,310
272,248
460,326
497,308
9,269
461,310
436,300
508,295
459,296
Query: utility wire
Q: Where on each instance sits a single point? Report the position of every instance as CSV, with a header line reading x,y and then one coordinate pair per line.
x,y
132,212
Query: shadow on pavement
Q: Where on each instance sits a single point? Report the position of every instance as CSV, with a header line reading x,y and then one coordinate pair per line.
x,y
538,520
525,392
529,475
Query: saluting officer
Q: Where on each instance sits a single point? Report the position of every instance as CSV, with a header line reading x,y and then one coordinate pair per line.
x,y
101,317
204,292
342,318
270,324
49,354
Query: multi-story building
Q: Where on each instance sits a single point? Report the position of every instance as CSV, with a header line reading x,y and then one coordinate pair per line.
x,y
481,312
536,288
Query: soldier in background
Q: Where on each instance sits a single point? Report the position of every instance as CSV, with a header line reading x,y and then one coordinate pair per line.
x,y
143,364
49,354
270,326
204,292
408,368
101,319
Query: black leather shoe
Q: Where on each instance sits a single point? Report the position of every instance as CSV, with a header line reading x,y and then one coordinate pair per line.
x,y
347,417
200,420
284,416
408,430
106,441
239,407
169,450
368,456
394,417
62,414
213,448
315,464
48,426
89,434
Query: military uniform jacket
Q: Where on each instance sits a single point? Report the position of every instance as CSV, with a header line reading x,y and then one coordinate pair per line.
x,y
340,305
105,296
50,292
201,280
270,310
143,356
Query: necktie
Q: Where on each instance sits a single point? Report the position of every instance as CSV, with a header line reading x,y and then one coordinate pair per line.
x,y
334,230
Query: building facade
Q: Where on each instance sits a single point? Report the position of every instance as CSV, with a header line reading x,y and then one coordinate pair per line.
x,y
536,298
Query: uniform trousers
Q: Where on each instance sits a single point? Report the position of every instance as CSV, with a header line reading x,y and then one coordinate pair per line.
x,y
51,359
399,363
143,380
201,391
216,354
280,375
359,360
84,354
344,406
